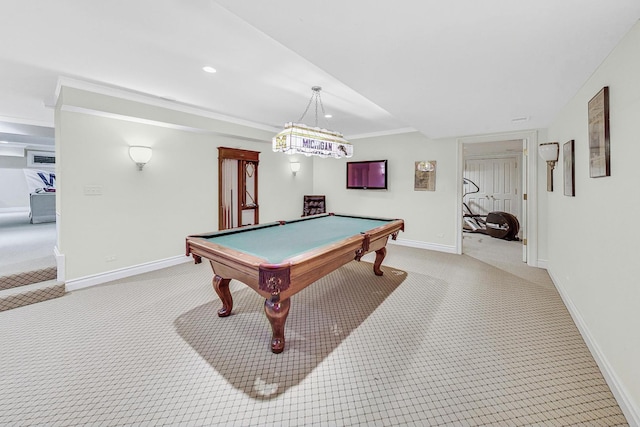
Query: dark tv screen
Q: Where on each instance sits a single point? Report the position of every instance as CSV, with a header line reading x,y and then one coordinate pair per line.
x,y
368,175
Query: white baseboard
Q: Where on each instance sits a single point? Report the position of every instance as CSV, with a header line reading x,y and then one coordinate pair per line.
x,y
629,409
97,279
424,245
543,263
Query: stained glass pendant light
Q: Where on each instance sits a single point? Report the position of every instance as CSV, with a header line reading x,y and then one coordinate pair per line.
x,y
298,138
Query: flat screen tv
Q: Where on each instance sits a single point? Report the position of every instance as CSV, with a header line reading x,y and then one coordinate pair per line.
x,y
368,175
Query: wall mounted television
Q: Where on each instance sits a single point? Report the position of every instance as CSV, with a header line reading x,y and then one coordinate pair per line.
x,y
367,175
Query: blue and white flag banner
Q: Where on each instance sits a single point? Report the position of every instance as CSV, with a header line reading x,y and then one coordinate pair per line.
x,y
40,180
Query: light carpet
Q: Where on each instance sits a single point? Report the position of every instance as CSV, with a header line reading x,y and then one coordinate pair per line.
x,y
24,246
440,339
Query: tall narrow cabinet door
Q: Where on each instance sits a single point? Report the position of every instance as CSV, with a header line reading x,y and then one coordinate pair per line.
x,y
228,215
248,185
237,188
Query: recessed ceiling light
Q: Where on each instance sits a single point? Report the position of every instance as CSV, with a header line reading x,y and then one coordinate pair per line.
x,y
209,69
328,116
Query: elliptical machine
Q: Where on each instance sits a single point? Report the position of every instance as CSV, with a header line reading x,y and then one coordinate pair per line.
x,y
501,225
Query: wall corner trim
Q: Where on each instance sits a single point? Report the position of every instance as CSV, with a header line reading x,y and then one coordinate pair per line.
x,y
59,263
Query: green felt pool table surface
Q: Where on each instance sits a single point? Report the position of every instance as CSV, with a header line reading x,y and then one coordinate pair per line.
x,y
276,243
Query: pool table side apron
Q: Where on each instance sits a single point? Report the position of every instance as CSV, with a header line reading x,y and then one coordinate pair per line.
x,y
278,282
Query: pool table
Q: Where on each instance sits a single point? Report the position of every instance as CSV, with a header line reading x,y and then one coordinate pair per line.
x,y
281,258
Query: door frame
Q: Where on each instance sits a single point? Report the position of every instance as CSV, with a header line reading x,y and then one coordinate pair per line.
x,y
529,181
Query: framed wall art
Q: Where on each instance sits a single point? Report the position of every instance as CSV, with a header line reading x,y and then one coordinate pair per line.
x,y
568,162
599,160
425,176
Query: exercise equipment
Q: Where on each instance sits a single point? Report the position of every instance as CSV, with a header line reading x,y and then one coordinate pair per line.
x,y
498,224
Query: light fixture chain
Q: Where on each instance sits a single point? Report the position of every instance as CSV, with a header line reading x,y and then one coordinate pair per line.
x,y
323,112
306,109
315,95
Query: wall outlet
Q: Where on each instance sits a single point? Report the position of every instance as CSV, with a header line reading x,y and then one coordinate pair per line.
x,y
110,258
93,190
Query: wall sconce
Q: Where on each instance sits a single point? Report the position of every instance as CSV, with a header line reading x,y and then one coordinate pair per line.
x,y
140,155
295,167
549,153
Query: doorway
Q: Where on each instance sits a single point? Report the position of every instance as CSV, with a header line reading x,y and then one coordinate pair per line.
x,y
27,211
504,170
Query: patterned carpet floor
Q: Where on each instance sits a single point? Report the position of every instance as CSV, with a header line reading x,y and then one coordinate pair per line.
x,y
440,339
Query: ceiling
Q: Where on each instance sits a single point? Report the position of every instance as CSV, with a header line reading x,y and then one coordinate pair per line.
x,y
444,68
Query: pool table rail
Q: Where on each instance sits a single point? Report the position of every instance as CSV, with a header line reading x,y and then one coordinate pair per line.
x,y
277,282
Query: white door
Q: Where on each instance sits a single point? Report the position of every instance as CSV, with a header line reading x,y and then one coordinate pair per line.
x,y
499,183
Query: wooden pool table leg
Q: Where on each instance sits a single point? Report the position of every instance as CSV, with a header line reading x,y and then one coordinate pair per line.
x,y
277,311
380,254
222,289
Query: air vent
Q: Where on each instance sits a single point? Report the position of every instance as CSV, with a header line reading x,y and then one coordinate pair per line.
x,y
41,159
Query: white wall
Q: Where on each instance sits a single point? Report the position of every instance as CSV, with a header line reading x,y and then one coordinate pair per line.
x,y
593,237
14,186
14,193
144,216
430,216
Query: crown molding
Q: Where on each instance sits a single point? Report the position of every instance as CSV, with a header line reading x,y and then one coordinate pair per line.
x,y
23,121
127,118
382,133
152,100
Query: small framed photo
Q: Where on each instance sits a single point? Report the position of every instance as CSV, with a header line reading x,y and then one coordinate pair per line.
x,y
425,175
599,160
568,162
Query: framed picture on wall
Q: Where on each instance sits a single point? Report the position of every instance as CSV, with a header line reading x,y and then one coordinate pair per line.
x,y
425,175
599,161
568,162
